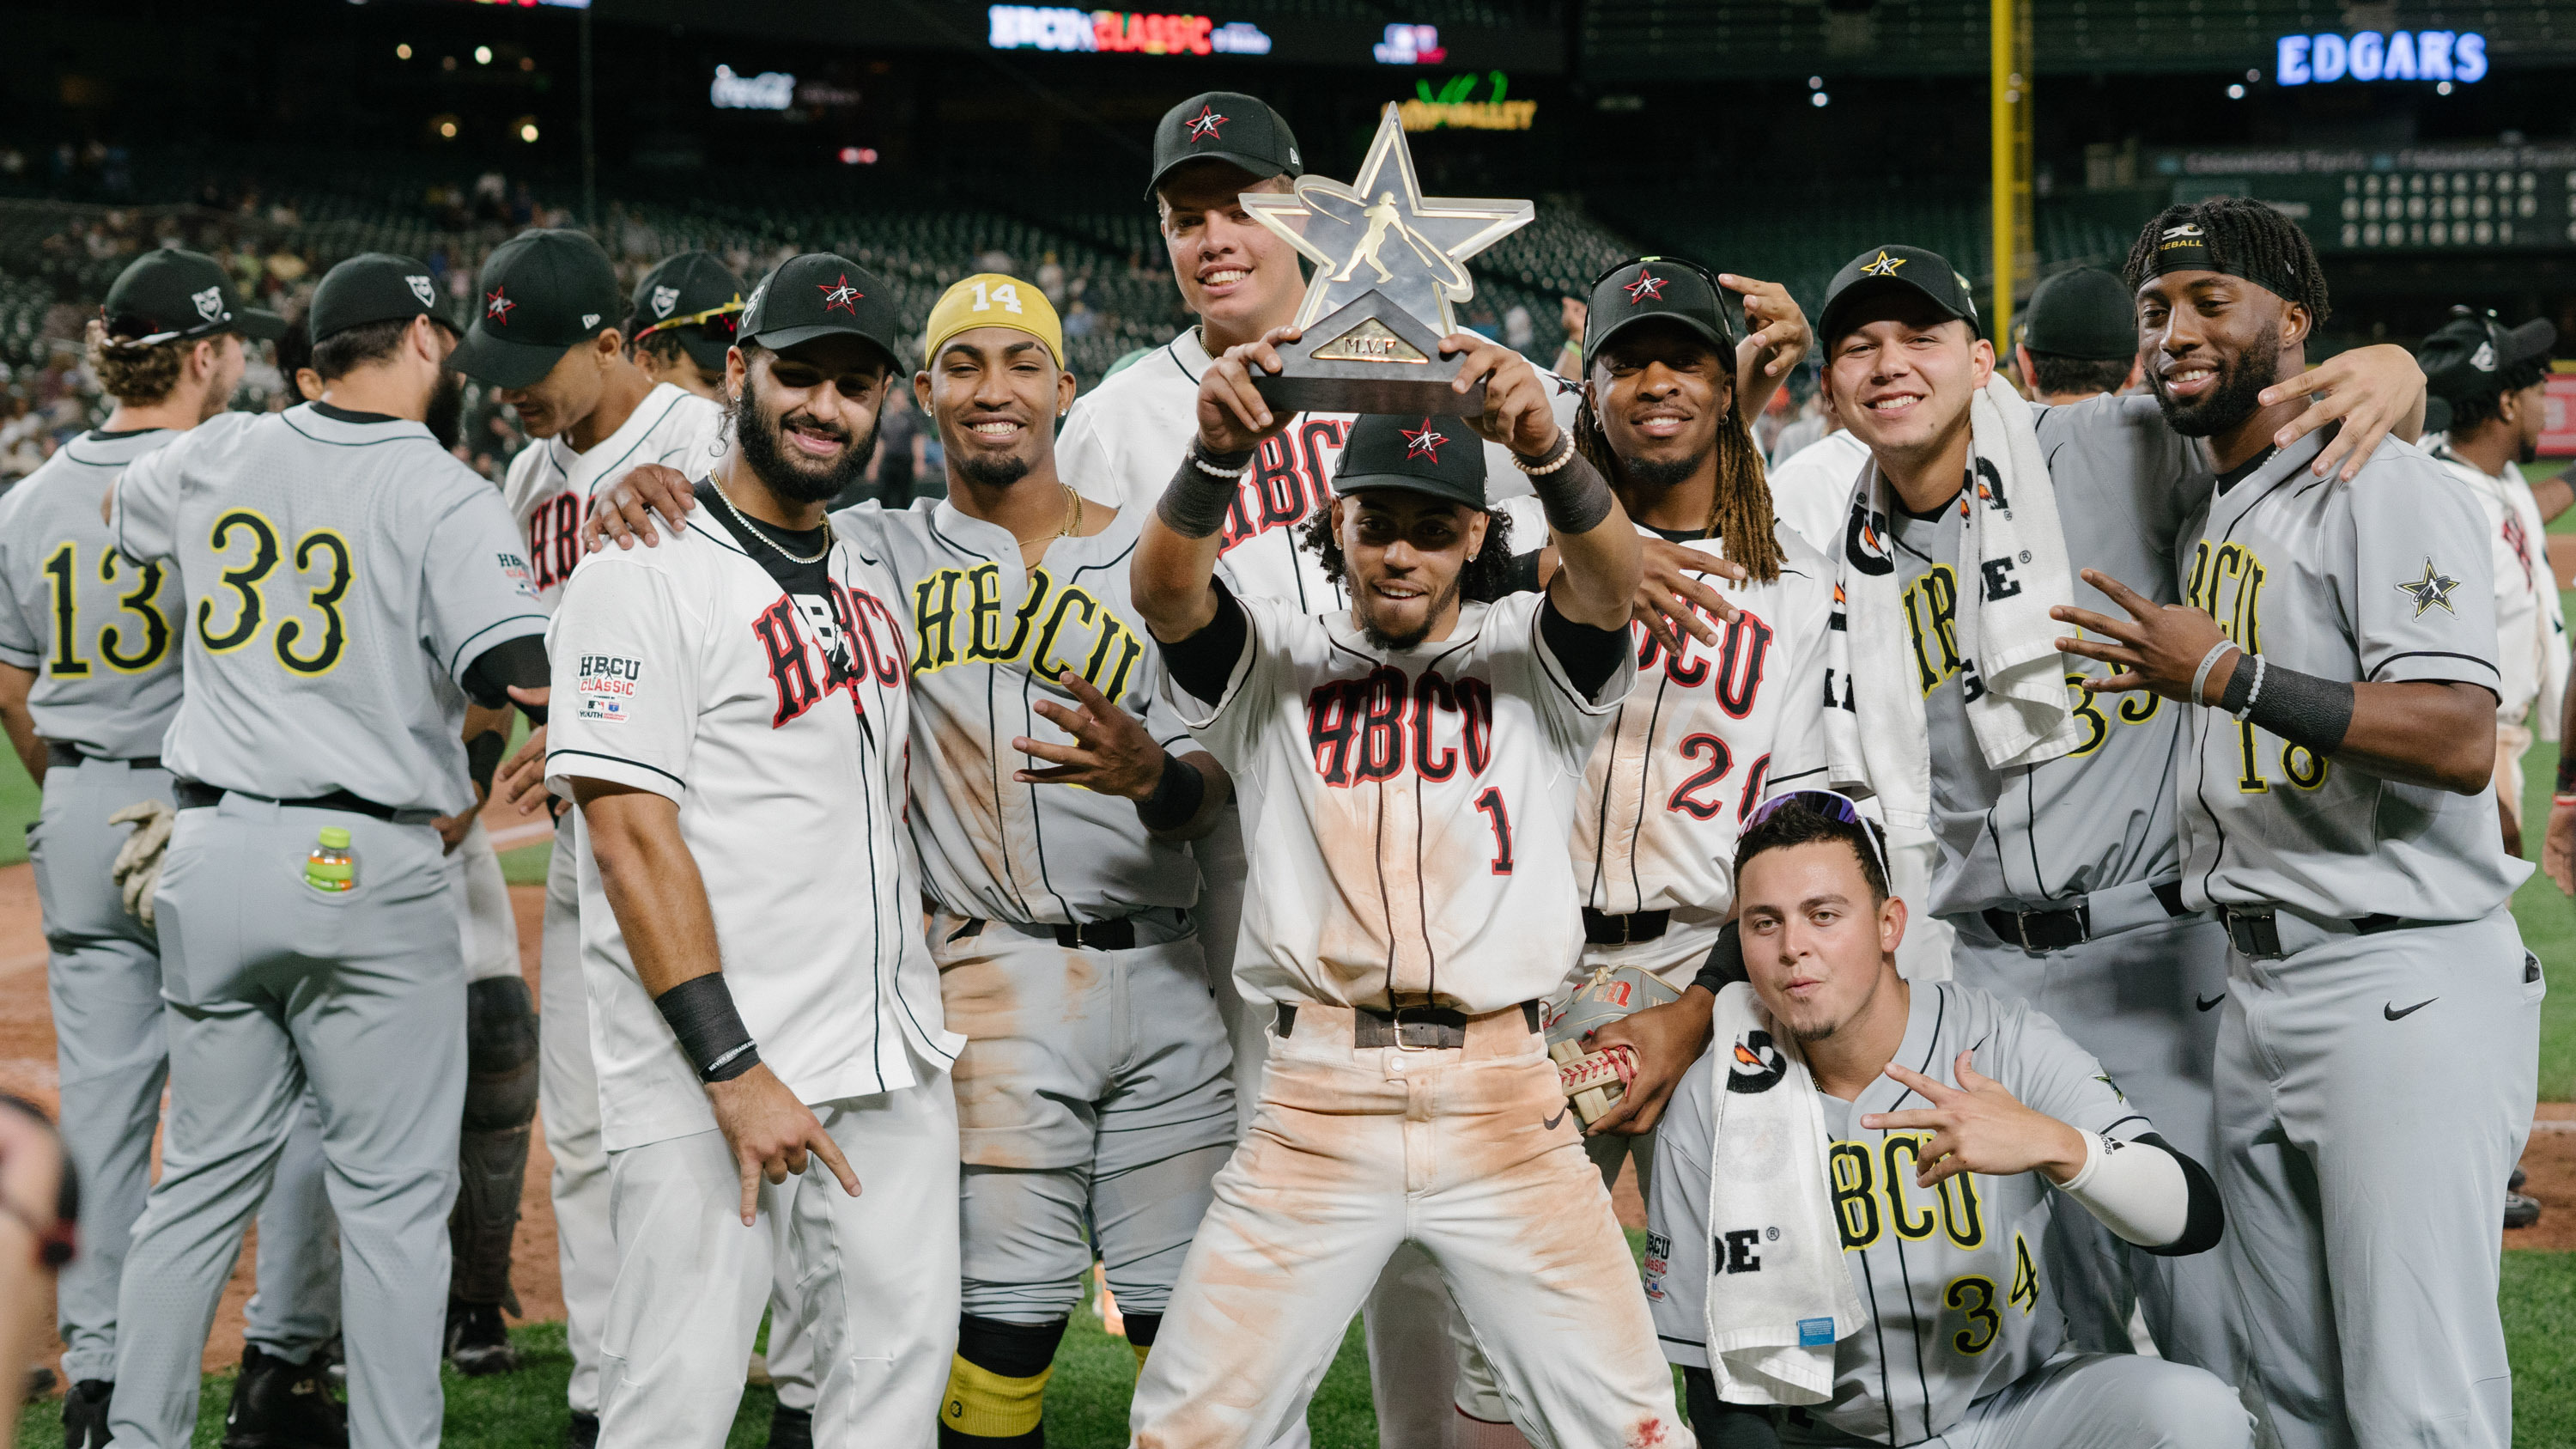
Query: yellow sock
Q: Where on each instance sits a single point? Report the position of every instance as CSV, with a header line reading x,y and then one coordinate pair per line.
x,y
986,1405
1141,1350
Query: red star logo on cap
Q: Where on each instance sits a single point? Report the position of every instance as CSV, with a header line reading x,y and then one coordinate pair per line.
x,y
1423,442
497,307
1647,287
1203,125
839,293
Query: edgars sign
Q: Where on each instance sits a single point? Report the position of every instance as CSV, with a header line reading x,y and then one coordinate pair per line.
x,y
2425,55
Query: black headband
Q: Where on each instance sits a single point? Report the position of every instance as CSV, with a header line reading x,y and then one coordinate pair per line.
x,y
2185,248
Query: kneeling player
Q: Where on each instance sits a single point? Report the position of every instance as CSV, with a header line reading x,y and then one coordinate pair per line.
x,y
1947,1115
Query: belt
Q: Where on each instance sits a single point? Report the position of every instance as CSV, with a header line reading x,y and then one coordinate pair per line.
x,y
196,795
1601,930
1415,1028
2256,932
2101,913
60,756
1112,935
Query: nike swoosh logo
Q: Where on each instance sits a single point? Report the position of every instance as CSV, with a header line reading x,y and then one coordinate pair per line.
x,y
1551,1123
2392,1013
2210,1003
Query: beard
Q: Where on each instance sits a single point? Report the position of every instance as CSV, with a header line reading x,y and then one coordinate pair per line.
x,y
1660,474
445,418
991,472
757,430
2529,453
1380,639
2236,398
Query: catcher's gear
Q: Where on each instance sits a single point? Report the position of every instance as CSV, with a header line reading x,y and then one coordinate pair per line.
x,y
492,1151
1594,1081
137,869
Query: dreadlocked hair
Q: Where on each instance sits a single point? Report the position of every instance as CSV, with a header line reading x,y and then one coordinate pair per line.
x,y
1739,514
1486,577
138,376
2472,412
2246,238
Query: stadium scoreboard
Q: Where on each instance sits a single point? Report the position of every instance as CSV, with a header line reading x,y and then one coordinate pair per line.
x,y
2413,199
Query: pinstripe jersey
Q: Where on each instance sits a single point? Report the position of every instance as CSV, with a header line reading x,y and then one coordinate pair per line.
x,y
1954,1280
100,631
549,485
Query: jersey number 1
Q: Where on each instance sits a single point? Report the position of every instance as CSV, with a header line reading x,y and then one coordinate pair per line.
x,y
1491,803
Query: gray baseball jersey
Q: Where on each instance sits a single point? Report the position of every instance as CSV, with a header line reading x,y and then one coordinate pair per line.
x,y
2383,579
99,630
988,641
321,554
1953,1278
2103,815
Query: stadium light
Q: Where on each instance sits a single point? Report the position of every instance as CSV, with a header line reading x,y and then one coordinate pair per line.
x,y
1820,100
2236,92
482,55
402,52
528,130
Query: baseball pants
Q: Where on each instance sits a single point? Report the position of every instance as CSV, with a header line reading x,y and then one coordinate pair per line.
x,y
488,930
1408,1320
104,982
2085,1401
2144,1002
1468,1152
568,1101
273,986
876,1276
2372,1091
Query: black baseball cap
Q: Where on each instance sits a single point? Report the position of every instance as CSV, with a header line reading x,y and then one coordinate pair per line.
x,y
818,295
374,287
2086,314
1440,457
1885,269
543,292
1652,287
2469,355
167,295
1224,126
696,299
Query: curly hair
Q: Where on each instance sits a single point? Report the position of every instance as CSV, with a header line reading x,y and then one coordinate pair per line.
x,y
1739,514
2469,413
1486,577
136,376
2246,238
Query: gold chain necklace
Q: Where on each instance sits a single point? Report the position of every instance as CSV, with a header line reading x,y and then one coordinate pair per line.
x,y
763,536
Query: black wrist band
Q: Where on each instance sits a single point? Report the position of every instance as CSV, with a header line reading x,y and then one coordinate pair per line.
x,y
1176,796
2240,683
2567,771
483,757
1725,965
1195,501
1575,497
701,1013
2303,709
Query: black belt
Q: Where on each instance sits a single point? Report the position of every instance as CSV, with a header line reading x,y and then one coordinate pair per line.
x,y
1117,935
2060,930
1421,1028
196,795
2257,933
60,756
1601,930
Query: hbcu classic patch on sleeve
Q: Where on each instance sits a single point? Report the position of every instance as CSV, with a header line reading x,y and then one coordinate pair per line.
x,y
605,688
1658,1260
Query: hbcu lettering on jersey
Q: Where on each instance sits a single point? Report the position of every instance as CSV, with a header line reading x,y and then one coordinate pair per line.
x,y
1873,1187
843,626
1366,730
605,685
554,539
957,619
1733,675
1288,483
2227,584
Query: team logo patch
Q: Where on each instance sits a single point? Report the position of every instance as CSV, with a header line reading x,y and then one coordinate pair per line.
x,y
589,319
2434,588
605,687
210,302
1658,1261
1423,442
421,288
1647,288
2105,1079
1884,266
2188,231
496,308
515,569
664,299
839,293
1203,126
1757,1064
2484,359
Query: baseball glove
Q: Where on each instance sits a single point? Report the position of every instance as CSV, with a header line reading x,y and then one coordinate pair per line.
x,y
137,870
1594,1081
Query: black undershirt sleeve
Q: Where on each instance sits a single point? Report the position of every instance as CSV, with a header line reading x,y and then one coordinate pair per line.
x,y
1720,1425
1523,577
1589,655
1203,662
520,661
2205,1219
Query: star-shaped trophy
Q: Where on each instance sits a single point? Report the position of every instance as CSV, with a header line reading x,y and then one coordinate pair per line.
x,y
1390,263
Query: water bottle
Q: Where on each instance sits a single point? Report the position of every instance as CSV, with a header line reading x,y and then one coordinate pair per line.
x,y
331,867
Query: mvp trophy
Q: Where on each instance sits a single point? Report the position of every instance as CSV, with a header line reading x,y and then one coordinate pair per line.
x,y
1389,264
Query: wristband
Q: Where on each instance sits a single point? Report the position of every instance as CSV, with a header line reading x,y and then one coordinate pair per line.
x,y
2567,770
1176,796
2092,1162
2208,661
701,1013
483,757
1572,493
1725,964
2262,667
1195,501
2304,710
1553,459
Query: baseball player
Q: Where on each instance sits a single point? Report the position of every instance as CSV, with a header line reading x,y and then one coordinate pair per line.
x,y
2079,338
2058,869
545,338
1093,1088
2378,1050
348,587
680,321
724,791
89,678
1403,765
1951,1120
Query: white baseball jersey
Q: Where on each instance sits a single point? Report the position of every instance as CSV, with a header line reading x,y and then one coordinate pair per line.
x,y
1403,811
2383,579
1702,738
1956,1279
340,570
769,699
2531,627
1123,440
549,485
100,631
1811,489
987,641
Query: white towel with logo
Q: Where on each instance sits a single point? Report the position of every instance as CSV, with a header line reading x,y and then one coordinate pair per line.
x,y
2018,704
1778,1295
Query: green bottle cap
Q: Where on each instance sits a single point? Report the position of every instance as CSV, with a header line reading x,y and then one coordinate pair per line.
x,y
334,838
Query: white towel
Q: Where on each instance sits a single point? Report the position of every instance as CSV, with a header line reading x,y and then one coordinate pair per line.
x,y
1778,1295
2018,702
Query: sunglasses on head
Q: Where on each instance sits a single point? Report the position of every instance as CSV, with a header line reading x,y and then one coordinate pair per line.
x,y
1829,803
714,319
